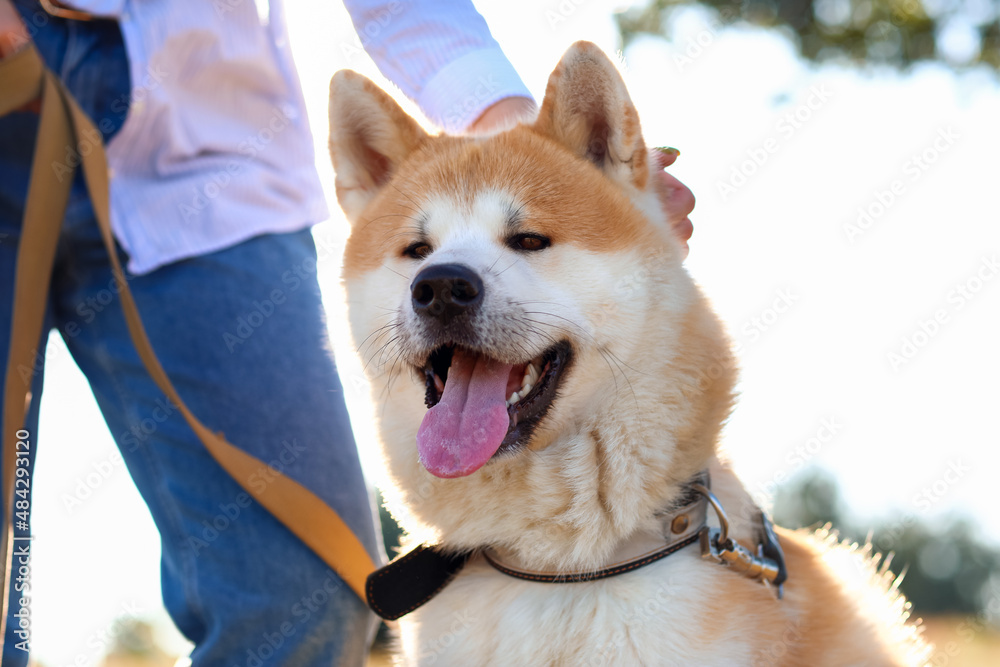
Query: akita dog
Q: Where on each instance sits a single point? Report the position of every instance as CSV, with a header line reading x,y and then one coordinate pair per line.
x,y
550,388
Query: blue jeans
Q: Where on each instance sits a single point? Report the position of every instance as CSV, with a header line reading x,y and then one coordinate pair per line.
x,y
235,581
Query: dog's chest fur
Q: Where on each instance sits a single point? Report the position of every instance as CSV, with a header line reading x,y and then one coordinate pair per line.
x,y
836,611
652,616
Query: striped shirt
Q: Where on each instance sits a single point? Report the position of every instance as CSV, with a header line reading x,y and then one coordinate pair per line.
x,y
216,147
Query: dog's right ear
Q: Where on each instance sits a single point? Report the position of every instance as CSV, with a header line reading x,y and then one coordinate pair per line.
x,y
370,136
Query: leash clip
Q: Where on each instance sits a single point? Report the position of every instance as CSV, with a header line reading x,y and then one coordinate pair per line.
x,y
717,546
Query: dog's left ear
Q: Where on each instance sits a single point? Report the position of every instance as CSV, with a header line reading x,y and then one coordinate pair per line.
x,y
588,110
370,137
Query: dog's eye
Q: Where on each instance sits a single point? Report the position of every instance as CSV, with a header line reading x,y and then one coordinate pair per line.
x,y
530,242
417,250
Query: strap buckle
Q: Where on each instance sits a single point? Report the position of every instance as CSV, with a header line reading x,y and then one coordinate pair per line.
x,y
717,546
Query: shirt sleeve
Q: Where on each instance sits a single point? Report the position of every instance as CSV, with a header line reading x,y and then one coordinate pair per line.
x,y
440,54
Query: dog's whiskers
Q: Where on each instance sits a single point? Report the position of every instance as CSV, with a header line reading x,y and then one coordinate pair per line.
x,y
382,330
606,354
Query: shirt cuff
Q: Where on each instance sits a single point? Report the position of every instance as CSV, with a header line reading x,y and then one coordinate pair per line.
x,y
464,88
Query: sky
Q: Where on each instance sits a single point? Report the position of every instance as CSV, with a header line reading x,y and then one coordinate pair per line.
x,y
846,232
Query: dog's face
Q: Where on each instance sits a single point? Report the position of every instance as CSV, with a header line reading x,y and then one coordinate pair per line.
x,y
521,307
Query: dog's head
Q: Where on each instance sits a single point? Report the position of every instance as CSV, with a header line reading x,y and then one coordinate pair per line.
x,y
535,346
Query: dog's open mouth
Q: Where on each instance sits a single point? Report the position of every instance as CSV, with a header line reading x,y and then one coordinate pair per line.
x,y
479,406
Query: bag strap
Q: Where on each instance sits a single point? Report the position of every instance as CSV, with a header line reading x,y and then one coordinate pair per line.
x,y
63,129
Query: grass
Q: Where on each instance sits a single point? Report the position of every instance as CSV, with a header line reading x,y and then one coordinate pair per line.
x,y
960,641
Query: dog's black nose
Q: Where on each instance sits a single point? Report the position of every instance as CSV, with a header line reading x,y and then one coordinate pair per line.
x,y
445,291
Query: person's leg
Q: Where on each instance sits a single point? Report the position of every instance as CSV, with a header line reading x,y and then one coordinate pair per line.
x,y
16,147
237,583
17,143
71,55
241,334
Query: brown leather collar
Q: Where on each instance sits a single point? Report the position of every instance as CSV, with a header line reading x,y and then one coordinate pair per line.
x,y
412,580
679,528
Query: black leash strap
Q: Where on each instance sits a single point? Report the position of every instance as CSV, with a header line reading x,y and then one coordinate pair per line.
x,y
411,580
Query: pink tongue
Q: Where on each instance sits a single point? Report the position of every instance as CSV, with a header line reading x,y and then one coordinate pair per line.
x,y
462,432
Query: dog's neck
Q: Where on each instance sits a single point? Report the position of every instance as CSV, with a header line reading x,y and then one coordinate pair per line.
x,y
678,526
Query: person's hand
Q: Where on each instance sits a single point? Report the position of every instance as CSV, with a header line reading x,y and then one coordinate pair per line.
x,y
13,34
676,199
14,37
502,115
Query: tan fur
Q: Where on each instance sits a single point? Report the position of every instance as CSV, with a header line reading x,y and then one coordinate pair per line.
x,y
638,414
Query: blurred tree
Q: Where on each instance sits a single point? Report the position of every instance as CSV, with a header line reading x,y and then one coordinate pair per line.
x,y
948,570
134,645
392,534
897,32
810,500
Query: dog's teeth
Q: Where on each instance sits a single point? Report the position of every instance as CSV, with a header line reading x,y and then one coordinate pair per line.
x,y
535,372
438,383
528,381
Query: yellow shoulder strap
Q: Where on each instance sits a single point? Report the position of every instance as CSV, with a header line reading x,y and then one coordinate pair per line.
x,y
23,78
